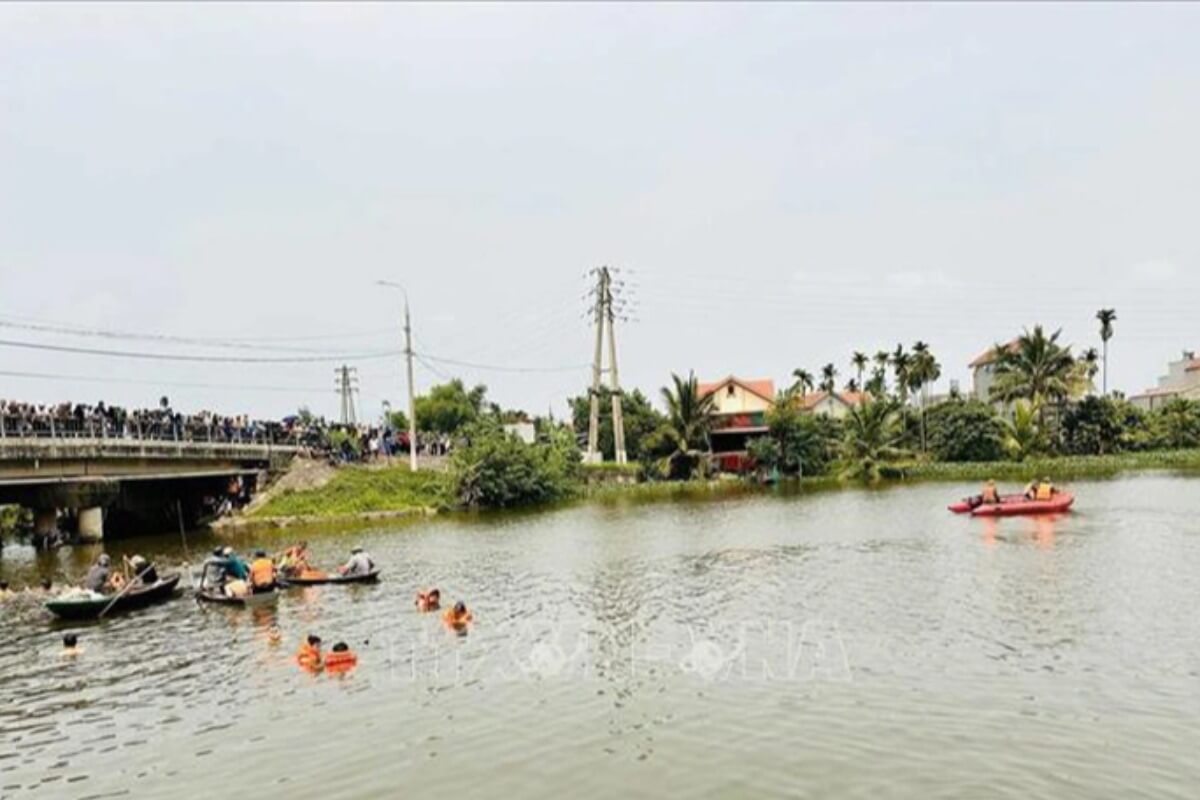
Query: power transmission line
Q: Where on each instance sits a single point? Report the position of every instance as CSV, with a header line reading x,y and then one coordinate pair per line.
x,y
168,384
198,358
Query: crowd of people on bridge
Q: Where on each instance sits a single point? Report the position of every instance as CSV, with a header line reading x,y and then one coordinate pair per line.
x,y
103,420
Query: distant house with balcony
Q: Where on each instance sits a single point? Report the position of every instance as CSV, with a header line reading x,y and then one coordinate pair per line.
x,y
831,404
1181,381
739,415
983,371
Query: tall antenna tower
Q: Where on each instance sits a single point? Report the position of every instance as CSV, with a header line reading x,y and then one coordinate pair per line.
x,y
347,387
606,311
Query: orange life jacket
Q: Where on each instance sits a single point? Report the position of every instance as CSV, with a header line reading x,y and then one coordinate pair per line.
x,y
340,662
1045,491
456,621
262,572
308,656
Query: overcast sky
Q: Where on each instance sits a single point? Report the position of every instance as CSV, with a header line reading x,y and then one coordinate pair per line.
x,y
783,184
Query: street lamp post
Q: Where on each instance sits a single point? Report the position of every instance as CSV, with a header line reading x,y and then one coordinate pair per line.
x,y
408,354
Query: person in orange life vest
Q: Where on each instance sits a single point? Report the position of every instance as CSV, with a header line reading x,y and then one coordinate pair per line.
x,y
989,495
429,601
457,618
1041,491
262,573
309,655
340,659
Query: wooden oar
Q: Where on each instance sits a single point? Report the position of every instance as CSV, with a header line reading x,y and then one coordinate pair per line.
x,y
128,586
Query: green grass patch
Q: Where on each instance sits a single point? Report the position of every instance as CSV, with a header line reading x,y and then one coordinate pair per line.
x,y
357,490
1061,468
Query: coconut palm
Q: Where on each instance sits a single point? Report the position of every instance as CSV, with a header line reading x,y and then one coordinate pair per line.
x,y
689,419
804,381
829,378
1107,317
859,361
1022,433
1037,369
872,433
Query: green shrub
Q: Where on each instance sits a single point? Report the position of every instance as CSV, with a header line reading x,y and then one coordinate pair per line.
x,y
965,430
493,469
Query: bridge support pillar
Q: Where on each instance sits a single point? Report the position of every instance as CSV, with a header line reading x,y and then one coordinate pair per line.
x,y
45,521
91,524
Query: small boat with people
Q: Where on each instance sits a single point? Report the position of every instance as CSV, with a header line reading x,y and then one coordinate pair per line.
x,y
1039,497
295,569
323,578
227,579
91,605
214,595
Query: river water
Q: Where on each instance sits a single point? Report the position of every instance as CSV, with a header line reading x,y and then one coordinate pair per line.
x,y
850,644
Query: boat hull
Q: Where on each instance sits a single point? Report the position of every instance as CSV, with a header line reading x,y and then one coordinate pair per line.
x,y
158,592
1056,505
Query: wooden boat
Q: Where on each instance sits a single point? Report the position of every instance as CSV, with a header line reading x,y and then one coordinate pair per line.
x,y
220,598
333,577
138,597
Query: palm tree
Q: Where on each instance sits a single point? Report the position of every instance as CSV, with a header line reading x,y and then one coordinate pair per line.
x,y
1022,434
882,359
877,385
859,361
829,378
872,431
1089,363
689,419
1107,317
901,368
804,381
1037,369
923,372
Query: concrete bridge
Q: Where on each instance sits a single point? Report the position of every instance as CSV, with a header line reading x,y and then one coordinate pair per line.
x,y
128,484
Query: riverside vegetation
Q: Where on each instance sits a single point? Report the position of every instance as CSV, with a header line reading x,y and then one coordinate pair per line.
x,y
1049,425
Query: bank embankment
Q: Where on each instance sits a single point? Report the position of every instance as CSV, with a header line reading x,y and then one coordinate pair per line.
x,y
319,493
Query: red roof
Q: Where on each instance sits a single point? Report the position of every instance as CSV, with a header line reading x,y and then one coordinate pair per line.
x,y
763,387
810,401
990,356
1192,366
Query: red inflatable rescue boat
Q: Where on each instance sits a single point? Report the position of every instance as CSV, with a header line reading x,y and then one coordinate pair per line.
x,y
1010,506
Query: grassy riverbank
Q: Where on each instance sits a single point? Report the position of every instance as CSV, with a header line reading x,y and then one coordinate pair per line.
x,y
373,492
362,490
1059,469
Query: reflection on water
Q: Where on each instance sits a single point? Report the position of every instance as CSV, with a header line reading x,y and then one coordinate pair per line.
x,y
841,644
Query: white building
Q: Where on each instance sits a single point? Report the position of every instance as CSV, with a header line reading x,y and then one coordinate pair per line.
x,y
1182,380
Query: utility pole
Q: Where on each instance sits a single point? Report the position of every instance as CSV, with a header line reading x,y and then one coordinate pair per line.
x,y
347,384
604,314
412,394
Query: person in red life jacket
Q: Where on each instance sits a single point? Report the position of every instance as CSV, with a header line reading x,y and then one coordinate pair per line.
x,y
340,659
458,618
309,654
429,601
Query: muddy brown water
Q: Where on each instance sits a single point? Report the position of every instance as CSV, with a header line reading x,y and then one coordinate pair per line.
x,y
849,644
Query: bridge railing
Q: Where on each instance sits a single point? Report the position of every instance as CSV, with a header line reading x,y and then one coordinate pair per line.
x,y
43,427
